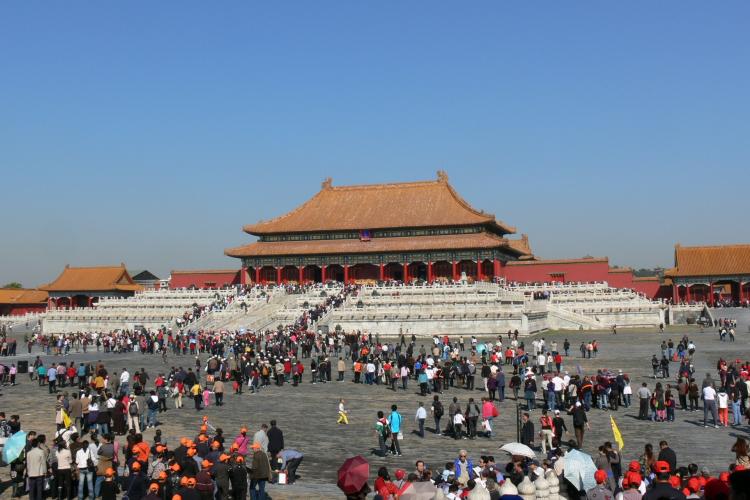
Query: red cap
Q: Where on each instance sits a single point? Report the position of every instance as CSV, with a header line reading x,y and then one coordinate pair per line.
x,y
661,466
634,466
600,476
400,473
724,477
674,481
634,478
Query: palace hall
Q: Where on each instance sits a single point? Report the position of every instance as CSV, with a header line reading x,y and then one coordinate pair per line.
x,y
402,231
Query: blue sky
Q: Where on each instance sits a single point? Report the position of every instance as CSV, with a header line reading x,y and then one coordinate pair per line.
x,y
150,132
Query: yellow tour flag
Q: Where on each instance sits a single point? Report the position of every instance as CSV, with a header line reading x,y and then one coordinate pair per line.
x,y
616,432
65,419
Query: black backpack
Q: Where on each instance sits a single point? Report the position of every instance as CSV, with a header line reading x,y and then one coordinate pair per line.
x,y
438,409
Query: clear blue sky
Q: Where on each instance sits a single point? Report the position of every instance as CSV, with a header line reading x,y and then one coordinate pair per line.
x,y
150,132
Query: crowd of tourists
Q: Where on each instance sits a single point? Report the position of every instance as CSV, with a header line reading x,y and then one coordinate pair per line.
x,y
209,465
654,475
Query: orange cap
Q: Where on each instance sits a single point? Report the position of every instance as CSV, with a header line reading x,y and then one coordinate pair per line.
x,y
109,472
204,428
243,430
205,418
191,482
160,448
162,475
239,458
176,496
234,447
175,467
154,487
183,481
224,457
206,464
136,465
256,445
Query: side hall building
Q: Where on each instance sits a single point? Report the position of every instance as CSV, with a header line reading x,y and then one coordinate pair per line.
x,y
403,231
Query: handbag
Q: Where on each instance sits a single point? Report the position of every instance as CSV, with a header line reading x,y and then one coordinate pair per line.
x,y
400,436
90,466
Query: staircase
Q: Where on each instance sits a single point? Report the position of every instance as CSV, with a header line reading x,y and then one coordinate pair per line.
x,y
560,318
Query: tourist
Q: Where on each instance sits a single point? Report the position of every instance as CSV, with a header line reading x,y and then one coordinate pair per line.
x,y
527,430
260,473
419,418
709,405
437,412
343,418
382,432
290,461
546,433
394,422
275,438
600,491
580,422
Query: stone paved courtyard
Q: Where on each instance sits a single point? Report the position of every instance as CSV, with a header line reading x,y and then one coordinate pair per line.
x,y
307,414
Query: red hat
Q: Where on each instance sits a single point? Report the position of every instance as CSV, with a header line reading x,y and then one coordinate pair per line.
x,y
686,491
400,473
738,468
674,481
634,466
724,477
715,487
600,476
633,478
661,466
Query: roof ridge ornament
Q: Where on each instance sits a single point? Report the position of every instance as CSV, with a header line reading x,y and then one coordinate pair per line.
x,y
442,176
326,184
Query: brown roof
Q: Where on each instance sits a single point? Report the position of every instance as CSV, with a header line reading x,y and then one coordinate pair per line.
x,y
646,278
522,246
93,279
720,260
22,296
380,206
584,260
401,244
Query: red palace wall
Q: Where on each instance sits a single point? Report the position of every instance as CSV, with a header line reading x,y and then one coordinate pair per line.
x,y
597,270
21,309
620,279
202,279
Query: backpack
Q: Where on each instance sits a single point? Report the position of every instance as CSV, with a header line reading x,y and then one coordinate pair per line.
x,y
438,409
133,408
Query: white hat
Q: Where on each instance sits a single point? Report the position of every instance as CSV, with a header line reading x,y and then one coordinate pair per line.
x,y
578,403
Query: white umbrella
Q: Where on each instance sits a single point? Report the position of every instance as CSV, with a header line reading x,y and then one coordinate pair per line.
x,y
518,449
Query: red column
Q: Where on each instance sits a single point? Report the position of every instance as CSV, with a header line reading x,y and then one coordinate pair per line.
x,y
49,303
382,272
323,273
687,293
454,270
278,275
429,272
711,293
243,275
479,270
496,268
257,275
301,274
741,294
91,301
675,294
346,274
406,272
70,302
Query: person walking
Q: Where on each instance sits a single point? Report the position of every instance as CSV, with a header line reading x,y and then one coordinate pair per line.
x,y
343,419
709,406
547,431
644,398
382,432
420,417
394,421
580,422
437,412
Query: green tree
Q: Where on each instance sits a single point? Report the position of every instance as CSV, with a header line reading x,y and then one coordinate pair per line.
x,y
13,284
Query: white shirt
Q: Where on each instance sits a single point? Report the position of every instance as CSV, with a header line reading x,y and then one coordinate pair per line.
x,y
458,419
421,413
558,384
124,377
723,400
81,457
709,394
